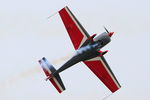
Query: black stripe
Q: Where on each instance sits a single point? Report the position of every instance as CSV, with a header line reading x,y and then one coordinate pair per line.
x,y
110,70
82,28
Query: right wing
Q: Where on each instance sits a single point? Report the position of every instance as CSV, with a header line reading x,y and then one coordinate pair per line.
x,y
77,33
101,69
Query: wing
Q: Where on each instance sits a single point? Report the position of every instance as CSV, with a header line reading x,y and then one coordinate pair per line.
x,y
77,33
102,70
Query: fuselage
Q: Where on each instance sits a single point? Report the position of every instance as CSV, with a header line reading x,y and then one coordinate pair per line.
x,y
86,52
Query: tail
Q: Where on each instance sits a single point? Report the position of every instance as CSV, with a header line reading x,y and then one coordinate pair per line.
x,y
49,70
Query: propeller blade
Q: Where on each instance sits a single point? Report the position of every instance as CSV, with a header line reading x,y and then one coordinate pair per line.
x,y
106,29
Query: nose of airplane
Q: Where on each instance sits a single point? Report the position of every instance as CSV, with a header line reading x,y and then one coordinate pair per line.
x,y
110,33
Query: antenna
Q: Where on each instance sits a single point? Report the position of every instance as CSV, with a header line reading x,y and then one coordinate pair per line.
x,y
52,15
107,96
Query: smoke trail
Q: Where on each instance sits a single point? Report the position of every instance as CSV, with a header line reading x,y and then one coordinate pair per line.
x,y
13,79
28,73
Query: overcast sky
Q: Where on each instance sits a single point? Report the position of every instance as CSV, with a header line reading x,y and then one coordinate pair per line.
x,y
26,35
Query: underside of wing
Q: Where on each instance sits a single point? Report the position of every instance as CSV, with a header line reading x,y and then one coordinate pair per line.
x,y
102,70
77,33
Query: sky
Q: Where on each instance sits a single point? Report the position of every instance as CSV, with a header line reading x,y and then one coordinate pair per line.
x,y
27,35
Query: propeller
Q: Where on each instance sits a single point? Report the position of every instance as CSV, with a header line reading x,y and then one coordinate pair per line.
x,y
106,29
109,33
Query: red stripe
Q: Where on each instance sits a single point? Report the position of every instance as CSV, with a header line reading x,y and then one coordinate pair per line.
x,y
52,81
55,85
99,70
73,31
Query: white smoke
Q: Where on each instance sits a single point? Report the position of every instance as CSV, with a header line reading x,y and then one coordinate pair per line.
x,y
28,73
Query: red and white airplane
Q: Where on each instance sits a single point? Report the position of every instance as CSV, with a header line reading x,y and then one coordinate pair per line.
x,y
87,50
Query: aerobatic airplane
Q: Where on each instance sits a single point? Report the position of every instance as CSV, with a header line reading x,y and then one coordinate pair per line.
x,y
87,50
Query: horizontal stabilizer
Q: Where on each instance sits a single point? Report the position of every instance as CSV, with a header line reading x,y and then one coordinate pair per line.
x,y
49,70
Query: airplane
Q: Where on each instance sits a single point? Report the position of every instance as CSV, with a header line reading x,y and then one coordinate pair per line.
x,y
87,50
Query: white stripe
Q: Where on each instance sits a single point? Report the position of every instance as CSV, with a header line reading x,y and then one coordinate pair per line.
x,y
59,86
109,73
99,58
46,67
84,36
94,59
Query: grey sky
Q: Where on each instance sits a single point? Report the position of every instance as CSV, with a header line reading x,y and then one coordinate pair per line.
x,y
26,35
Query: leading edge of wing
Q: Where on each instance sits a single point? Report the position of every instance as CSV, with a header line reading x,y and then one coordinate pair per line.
x,y
101,69
77,33
78,23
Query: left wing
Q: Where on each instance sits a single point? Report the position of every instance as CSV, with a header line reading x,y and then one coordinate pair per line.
x,y
77,33
102,70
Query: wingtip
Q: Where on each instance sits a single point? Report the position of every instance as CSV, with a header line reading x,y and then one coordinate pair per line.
x,y
66,6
